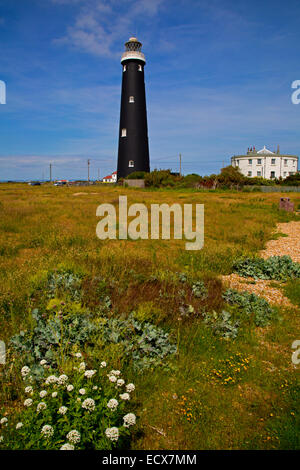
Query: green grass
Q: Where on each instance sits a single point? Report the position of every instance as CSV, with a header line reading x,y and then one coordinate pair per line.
x,y
207,399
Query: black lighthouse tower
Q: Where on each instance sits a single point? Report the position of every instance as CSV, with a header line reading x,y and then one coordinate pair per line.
x,y
133,154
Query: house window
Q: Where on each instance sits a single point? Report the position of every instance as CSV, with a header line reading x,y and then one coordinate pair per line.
x,y
284,173
124,68
272,174
285,162
131,99
140,68
273,161
237,162
131,163
259,161
249,173
259,173
124,132
250,161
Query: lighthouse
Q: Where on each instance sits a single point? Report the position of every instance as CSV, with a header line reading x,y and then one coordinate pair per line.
x,y
133,153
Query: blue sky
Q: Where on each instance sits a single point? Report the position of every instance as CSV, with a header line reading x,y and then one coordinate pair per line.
x,y
218,79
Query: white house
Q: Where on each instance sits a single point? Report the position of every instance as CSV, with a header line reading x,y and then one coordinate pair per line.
x,y
110,178
266,164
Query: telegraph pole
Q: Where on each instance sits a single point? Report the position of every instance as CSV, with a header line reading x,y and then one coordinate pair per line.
x,y
180,164
50,168
98,175
89,162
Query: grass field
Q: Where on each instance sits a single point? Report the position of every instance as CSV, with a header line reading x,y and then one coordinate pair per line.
x,y
214,393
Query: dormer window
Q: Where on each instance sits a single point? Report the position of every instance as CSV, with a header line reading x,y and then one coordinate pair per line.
x,y
131,164
131,99
124,132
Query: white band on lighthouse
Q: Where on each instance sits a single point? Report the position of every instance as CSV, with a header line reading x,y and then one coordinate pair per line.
x,y
133,55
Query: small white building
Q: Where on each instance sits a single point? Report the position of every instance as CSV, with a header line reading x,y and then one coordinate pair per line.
x,y
265,164
110,178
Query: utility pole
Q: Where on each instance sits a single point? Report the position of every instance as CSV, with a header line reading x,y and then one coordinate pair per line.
x,y
50,168
98,175
89,162
180,164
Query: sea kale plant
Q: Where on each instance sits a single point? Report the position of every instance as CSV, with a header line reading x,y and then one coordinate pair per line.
x,y
64,281
147,345
80,409
54,335
199,290
251,305
279,268
222,324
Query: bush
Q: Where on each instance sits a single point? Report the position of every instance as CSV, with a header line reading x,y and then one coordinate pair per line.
x,y
136,175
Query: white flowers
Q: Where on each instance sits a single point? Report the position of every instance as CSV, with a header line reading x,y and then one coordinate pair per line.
x,y
1,438
125,396
82,391
52,379
67,447
115,372
112,404
73,436
62,410
103,364
82,366
19,425
70,388
54,395
78,355
29,389
88,404
41,406
43,393
112,378
3,421
28,402
25,371
120,382
62,379
130,388
129,420
43,362
47,430
89,373
112,433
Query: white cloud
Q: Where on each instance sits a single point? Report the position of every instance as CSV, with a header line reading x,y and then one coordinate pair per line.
x,y
100,25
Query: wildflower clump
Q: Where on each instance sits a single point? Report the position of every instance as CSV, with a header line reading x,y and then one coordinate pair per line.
x,y
79,410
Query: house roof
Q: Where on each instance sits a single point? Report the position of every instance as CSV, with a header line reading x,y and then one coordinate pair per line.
x,y
266,151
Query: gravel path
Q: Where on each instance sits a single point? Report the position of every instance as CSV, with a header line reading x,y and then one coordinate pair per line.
x,y
290,246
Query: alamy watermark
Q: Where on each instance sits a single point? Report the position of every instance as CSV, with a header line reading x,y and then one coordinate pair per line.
x,y
296,94
2,92
138,228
